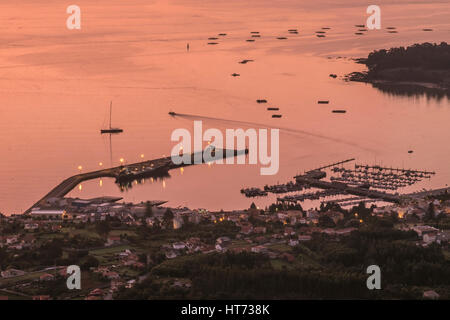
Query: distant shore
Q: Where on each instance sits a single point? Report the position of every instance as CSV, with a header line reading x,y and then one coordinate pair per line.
x,y
423,66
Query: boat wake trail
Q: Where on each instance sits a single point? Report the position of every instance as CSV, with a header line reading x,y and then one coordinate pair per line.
x,y
285,129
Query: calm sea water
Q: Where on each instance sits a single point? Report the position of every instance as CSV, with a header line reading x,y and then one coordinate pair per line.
x,y
56,86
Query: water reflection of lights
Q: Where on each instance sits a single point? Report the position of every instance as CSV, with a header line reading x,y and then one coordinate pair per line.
x,y
80,187
181,170
100,182
164,184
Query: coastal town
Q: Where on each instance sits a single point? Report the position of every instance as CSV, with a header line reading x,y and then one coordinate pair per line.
x,y
218,155
120,245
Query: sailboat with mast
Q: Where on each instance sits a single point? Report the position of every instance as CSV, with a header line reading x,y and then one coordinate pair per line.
x,y
111,129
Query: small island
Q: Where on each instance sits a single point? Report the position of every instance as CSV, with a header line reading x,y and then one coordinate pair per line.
x,y
423,65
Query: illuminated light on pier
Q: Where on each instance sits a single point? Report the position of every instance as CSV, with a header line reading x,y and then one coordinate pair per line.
x,y
142,156
100,183
100,164
162,164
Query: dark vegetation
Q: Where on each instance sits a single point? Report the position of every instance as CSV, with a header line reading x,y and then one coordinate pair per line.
x,y
337,269
424,63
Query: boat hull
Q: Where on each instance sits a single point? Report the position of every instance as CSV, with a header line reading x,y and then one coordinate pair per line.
x,y
111,130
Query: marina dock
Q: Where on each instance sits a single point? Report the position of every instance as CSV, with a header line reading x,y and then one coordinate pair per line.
x,y
366,182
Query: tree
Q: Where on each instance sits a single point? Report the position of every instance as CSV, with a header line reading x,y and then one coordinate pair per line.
x,y
102,228
429,215
148,210
168,218
89,262
3,257
326,222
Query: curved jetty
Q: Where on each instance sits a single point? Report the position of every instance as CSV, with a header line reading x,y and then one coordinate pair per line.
x,y
157,165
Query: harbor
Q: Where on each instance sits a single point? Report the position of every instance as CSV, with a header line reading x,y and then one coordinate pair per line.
x,y
125,173
367,182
